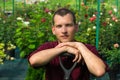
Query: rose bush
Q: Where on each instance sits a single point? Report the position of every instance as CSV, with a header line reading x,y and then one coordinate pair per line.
x,y
108,31
7,28
31,26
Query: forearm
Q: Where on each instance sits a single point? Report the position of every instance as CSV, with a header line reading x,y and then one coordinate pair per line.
x,y
95,65
44,56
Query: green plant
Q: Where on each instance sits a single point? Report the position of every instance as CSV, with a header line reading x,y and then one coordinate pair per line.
x,y
31,26
109,30
113,56
2,54
7,28
29,37
4,49
33,29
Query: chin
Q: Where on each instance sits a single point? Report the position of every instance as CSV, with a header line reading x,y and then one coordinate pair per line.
x,y
62,41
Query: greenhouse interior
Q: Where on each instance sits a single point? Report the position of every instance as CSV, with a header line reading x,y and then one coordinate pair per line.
x,y
26,24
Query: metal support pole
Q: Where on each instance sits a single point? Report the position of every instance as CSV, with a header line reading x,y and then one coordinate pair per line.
x,y
98,24
3,6
79,6
85,2
117,7
13,7
76,4
24,3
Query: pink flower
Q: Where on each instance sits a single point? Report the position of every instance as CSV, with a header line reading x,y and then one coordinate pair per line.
x,y
114,18
46,10
116,45
110,12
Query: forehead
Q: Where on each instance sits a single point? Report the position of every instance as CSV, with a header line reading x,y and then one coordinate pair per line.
x,y
65,18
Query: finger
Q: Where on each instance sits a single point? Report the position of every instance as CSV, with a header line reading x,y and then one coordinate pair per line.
x,y
70,44
57,46
67,44
60,45
76,58
79,59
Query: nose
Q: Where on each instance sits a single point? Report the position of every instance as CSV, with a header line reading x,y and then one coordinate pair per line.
x,y
64,29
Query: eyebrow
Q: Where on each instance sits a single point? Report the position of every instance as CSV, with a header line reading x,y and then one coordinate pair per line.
x,y
64,24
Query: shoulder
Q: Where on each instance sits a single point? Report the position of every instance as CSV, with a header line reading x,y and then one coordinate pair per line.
x,y
89,46
44,46
92,48
50,44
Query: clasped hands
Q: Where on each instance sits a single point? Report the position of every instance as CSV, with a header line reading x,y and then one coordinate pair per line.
x,y
73,48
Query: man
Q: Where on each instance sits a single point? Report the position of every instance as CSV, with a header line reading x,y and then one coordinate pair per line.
x,y
87,58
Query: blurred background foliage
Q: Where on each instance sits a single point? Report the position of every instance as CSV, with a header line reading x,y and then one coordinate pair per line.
x,y
30,26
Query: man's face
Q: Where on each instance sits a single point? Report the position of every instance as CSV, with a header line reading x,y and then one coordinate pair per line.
x,y
64,28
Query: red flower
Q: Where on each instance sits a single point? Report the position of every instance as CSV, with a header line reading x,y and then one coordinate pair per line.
x,y
110,12
86,15
43,20
104,23
92,18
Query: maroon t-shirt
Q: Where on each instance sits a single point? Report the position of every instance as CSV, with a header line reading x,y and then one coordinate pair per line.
x,y
55,72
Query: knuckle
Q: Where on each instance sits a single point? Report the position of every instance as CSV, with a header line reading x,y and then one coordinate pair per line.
x,y
76,51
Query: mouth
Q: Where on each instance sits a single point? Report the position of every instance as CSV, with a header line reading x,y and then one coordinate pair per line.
x,y
64,36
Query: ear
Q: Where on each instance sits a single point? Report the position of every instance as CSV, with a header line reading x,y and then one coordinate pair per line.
x,y
77,28
53,30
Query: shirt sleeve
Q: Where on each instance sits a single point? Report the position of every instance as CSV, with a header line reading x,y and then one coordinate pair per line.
x,y
44,46
92,49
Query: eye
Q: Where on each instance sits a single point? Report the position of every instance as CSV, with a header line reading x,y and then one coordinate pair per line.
x,y
69,25
58,26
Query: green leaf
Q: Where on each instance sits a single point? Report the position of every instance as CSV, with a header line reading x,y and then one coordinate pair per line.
x,y
22,54
31,46
30,40
41,34
18,34
18,30
19,40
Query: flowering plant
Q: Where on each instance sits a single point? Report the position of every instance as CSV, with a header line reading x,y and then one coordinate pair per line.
x,y
108,30
4,55
31,26
7,28
113,55
33,29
